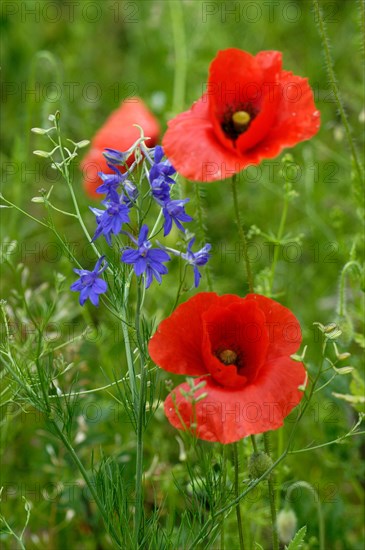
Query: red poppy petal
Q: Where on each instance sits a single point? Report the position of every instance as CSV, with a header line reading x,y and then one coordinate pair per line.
x,y
176,344
238,78
297,116
282,326
192,147
119,132
234,78
228,415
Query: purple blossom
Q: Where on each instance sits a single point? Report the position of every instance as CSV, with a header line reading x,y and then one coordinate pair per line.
x,y
196,259
130,194
110,221
159,176
173,211
111,182
146,259
160,190
116,157
90,285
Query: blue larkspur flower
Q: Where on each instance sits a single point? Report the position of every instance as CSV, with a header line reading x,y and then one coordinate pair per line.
x,y
146,259
90,285
130,193
111,182
116,157
110,221
196,259
159,176
173,211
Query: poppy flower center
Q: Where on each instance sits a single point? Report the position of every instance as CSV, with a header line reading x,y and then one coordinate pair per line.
x,y
228,357
238,121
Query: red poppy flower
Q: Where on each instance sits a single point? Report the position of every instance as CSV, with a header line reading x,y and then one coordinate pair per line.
x,y
251,110
118,133
240,348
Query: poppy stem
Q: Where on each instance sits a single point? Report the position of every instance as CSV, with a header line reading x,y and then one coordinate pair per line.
x,y
237,492
339,101
254,444
178,32
275,539
242,235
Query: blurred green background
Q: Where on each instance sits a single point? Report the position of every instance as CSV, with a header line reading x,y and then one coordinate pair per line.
x,y
83,58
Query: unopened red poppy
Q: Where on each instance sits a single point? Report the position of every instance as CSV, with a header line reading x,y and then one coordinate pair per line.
x,y
118,133
250,111
239,349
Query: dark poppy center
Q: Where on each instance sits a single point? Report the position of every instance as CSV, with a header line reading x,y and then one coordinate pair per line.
x,y
236,122
230,357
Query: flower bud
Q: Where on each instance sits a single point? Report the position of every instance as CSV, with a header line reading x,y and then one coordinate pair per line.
x,y
286,523
258,464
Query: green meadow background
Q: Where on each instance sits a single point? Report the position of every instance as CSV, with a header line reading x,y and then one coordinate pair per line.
x,y
83,58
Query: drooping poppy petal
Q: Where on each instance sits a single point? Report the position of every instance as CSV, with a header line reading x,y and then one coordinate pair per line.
x,y
118,132
240,348
251,110
227,415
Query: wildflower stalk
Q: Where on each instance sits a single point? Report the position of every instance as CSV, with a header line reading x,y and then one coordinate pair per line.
x,y
336,91
279,236
200,219
89,484
352,264
254,444
237,490
241,234
275,538
66,174
223,480
128,352
140,425
178,31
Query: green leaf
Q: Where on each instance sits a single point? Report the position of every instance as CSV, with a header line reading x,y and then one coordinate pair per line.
x,y
298,540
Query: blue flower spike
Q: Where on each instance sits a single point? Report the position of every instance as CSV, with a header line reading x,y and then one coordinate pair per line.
x,y
90,285
110,221
197,259
145,259
173,211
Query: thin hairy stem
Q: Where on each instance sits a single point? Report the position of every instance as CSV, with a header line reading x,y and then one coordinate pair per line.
x,y
241,234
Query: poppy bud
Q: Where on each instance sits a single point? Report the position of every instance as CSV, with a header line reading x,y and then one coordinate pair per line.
x,y
286,524
258,464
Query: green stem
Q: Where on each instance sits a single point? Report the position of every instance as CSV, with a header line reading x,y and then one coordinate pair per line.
x,y
237,492
335,88
278,239
91,487
223,492
242,235
140,426
128,352
254,444
66,175
341,308
275,538
178,32
200,219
